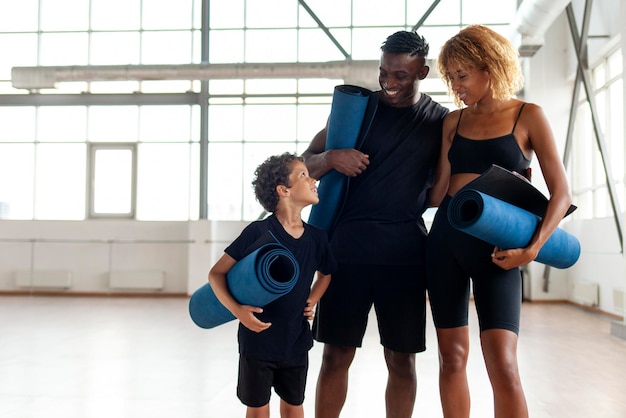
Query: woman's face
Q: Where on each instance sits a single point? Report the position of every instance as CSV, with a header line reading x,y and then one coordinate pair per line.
x,y
470,85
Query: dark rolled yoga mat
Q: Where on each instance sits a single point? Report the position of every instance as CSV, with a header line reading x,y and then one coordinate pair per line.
x,y
507,226
267,272
347,112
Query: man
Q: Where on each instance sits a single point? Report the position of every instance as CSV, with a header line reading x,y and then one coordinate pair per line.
x,y
379,235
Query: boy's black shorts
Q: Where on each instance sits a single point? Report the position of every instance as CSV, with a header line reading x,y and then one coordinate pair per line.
x,y
257,377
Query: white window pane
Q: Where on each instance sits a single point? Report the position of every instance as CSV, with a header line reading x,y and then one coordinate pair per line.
x,y
18,50
367,42
615,63
316,46
66,15
447,12
113,123
194,182
225,182
368,12
477,12
166,86
226,46
113,87
126,49
17,171
271,86
195,123
166,48
60,181
76,87
226,14
616,129
166,14
17,16
321,85
163,182
62,124
436,37
113,180
164,123
270,123
261,45
225,87
18,124
64,49
225,123
332,13
115,15
311,119
281,14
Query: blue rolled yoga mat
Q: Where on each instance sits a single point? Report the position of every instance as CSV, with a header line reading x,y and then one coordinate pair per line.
x,y
347,112
508,226
268,271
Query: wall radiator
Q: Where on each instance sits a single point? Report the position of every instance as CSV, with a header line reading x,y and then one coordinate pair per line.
x,y
52,279
137,279
586,293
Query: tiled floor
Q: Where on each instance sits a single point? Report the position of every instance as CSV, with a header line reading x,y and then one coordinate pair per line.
x,y
87,357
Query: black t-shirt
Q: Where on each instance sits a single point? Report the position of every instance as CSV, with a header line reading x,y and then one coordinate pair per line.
x,y
381,220
290,333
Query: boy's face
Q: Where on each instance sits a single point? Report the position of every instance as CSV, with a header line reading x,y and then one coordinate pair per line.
x,y
303,187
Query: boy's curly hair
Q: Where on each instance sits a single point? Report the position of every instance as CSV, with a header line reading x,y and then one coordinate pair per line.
x,y
273,172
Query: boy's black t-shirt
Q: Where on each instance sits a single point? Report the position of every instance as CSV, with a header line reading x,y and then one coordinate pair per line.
x,y
381,220
290,333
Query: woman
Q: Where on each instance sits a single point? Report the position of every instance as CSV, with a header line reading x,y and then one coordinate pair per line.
x,y
482,71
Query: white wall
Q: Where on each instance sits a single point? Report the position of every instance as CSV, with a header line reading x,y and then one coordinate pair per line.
x,y
550,75
90,250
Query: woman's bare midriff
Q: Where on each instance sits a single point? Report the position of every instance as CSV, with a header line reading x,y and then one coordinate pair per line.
x,y
457,181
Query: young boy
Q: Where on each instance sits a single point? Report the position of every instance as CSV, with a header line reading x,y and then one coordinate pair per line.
x,y
274,341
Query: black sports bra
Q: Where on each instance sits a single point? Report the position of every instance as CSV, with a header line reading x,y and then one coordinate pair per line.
x,y
476,156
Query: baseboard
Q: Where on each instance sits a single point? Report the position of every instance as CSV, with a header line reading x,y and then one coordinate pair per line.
x,y
91,294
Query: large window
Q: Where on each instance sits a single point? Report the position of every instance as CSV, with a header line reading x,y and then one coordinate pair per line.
x,y
64,151
588,181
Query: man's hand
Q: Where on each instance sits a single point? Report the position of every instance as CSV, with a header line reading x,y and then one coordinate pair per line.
x,y
348,161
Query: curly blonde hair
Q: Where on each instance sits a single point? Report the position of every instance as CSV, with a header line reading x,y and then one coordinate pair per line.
x,y
479,47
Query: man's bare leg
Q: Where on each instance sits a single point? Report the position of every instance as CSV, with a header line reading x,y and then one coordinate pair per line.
x,y
332,382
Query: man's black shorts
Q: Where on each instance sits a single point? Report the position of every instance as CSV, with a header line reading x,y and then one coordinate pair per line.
x,y
398,294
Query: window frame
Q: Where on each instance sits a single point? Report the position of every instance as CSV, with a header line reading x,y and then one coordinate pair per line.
x,y
92,148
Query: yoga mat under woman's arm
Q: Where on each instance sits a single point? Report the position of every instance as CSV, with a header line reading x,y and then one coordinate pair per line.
x,y
507,226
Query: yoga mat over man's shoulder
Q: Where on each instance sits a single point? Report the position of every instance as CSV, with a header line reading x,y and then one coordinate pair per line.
x,y
345,122
268,271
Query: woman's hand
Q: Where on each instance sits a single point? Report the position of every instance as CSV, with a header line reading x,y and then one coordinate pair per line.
x,y
516,257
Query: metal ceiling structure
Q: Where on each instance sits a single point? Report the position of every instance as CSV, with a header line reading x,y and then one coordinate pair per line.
x,y
35,78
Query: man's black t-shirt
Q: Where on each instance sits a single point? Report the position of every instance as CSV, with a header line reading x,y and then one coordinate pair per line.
x,y
381,220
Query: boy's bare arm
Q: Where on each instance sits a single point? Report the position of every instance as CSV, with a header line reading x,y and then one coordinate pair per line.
x,y
317,291
244,313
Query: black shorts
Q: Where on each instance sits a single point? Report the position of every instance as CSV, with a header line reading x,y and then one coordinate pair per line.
x,y
257,377
398,295
453,258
